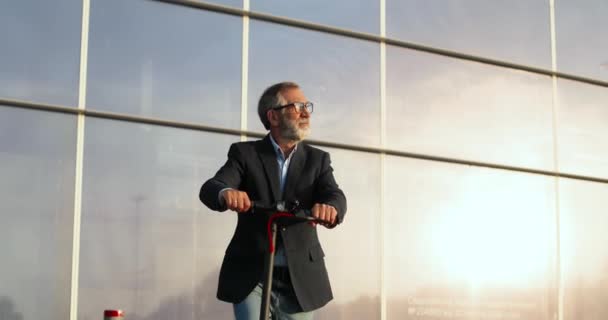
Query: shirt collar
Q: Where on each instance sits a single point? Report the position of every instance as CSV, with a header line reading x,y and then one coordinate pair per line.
x,y
278,150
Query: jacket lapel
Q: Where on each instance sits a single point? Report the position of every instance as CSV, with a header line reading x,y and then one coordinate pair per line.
x,y
269,160
296,166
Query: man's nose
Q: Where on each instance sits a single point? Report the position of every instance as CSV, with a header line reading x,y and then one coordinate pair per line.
x,y
305,113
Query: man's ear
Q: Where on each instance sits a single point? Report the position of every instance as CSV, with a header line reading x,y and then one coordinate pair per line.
x,y
272,117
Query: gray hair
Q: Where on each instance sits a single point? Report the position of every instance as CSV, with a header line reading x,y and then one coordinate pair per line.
x,y
272,98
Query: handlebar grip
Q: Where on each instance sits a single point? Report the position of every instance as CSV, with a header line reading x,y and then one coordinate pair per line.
x,y
258,206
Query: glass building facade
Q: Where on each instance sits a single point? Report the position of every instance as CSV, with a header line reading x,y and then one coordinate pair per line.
x,y
470,138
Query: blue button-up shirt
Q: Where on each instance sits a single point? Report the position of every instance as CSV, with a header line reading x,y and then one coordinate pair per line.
x,y
280,259
282,162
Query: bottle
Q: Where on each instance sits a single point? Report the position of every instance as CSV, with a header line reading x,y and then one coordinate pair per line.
x,y
113,315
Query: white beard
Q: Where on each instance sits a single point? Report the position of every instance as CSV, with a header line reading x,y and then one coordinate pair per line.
x,y
290,130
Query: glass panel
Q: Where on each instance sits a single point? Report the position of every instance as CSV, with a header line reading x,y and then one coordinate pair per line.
x,y
353,249
40,57
37,161
468,243
148,245
582,128
165,61
344,87
356,15
584,253
515,30
580,26
467,110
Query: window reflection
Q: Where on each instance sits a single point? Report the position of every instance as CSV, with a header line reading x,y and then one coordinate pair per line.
x,y
353,249
467,110
357,15
40,50
148,245
165,61
579,29
37,161
340,75
584,253
582,128
516,30
469,242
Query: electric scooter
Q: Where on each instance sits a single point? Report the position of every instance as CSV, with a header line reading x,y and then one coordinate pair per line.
x,y
280,213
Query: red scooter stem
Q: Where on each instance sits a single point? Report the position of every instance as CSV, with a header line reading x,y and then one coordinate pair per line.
x,y
269,266
277,210
272,233
268,270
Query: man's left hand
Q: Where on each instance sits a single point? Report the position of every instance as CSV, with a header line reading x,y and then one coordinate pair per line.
x,y
326,213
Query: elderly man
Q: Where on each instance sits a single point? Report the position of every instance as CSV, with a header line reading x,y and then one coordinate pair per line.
x,y
278,167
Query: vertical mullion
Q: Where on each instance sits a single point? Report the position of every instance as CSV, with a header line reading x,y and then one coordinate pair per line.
x,y
84,43
244,71
559,279
382,160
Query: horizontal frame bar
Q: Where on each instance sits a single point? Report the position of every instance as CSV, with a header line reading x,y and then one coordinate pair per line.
x,y
236,132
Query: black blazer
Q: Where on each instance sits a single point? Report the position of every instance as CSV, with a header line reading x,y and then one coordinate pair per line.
x,y
252,167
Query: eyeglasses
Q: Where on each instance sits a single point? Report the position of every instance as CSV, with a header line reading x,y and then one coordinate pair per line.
x,y
298,107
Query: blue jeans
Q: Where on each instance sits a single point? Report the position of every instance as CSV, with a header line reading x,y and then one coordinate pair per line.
x,y
283,304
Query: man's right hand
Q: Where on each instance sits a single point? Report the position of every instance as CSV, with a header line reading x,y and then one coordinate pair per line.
x,y
236,200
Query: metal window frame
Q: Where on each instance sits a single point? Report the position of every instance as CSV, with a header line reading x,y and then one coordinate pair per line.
x,y
376,150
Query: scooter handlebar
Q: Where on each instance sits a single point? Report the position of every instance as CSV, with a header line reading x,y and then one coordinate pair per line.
x,y
292,207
